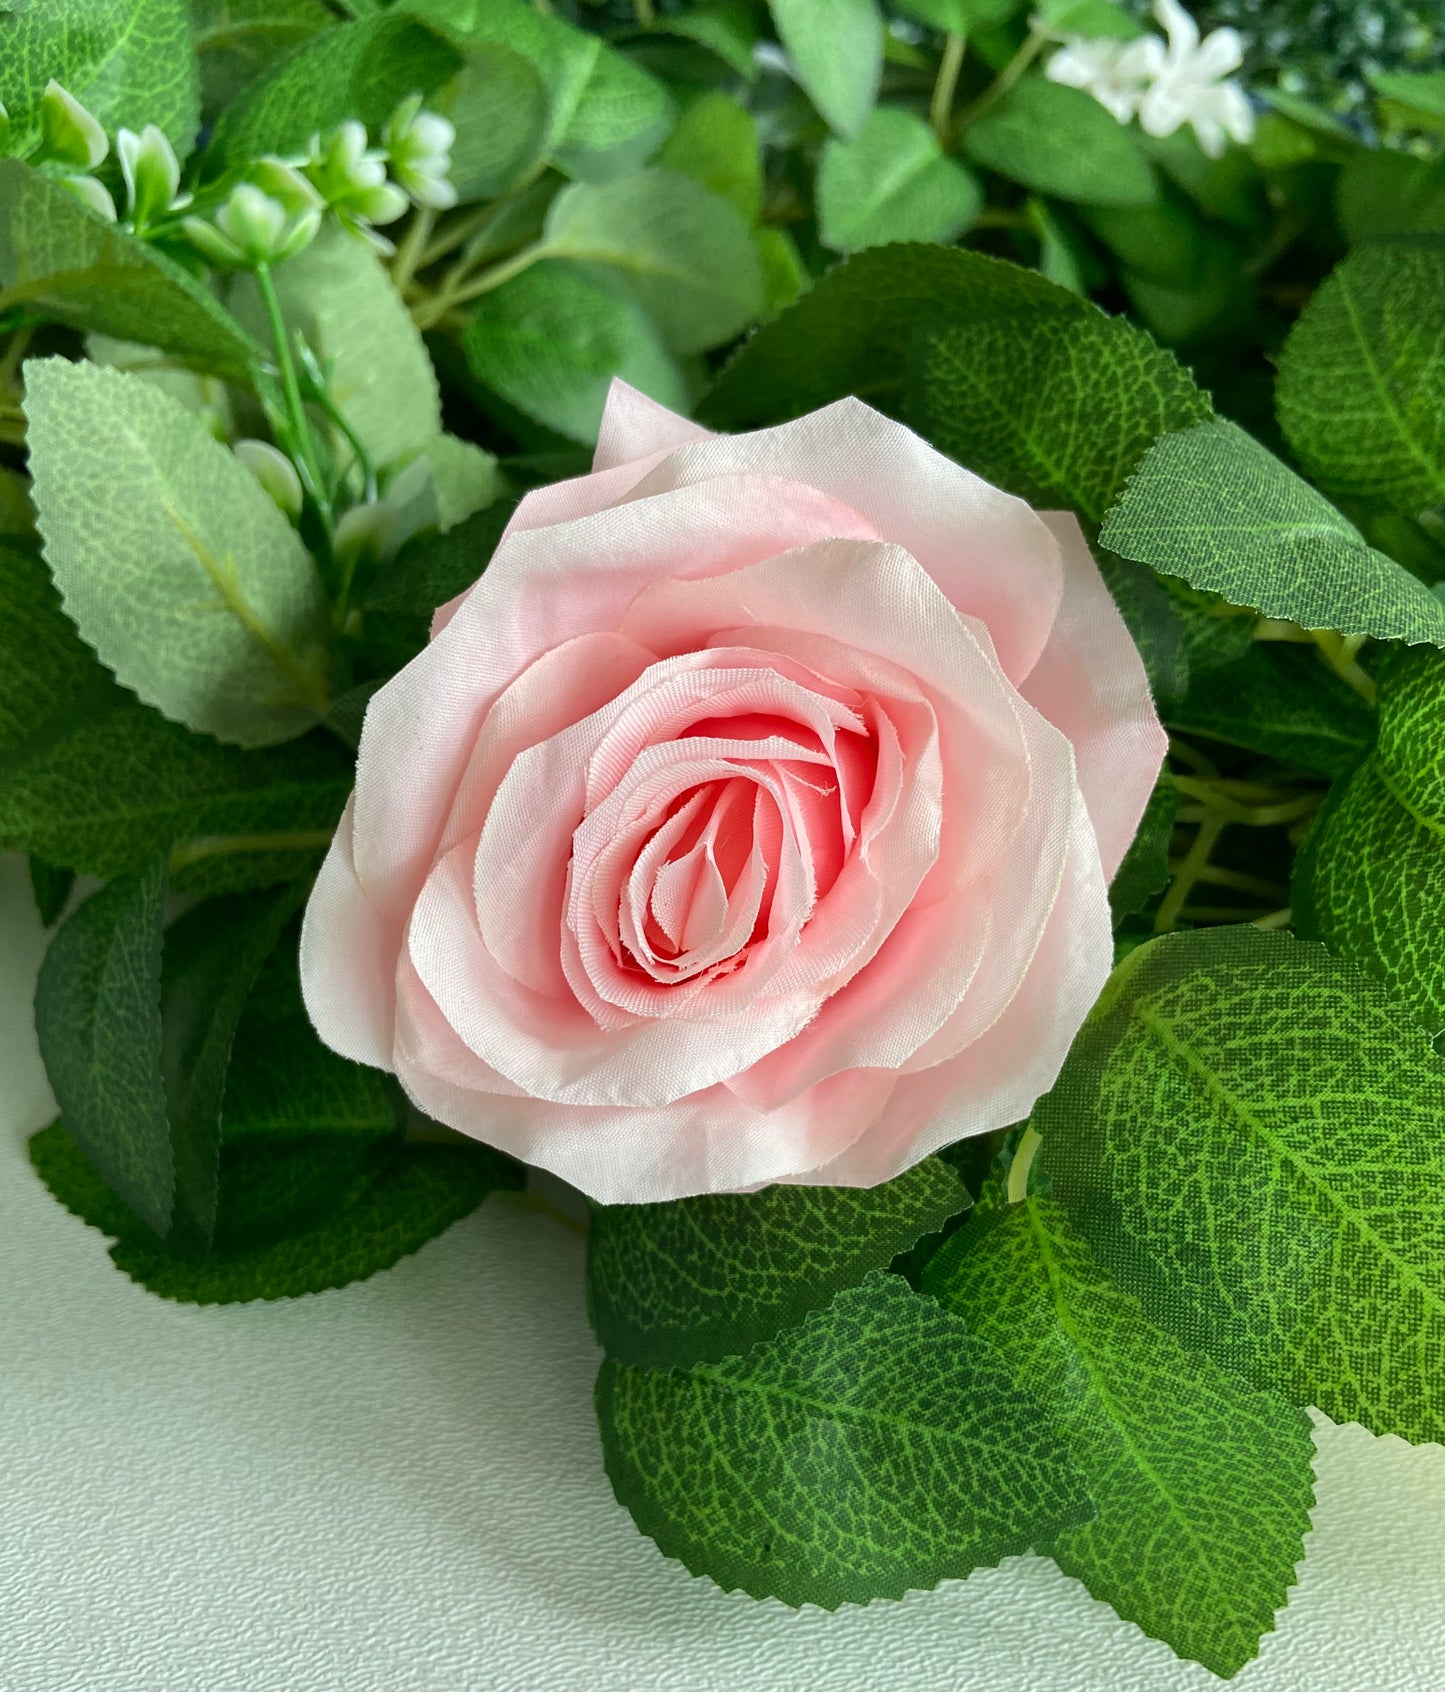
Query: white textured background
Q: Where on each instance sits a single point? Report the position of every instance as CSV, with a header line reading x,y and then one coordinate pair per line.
x,y
397,1488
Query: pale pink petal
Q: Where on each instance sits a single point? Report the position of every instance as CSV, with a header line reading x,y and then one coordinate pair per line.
x,y
986,550
1090,682
634,427
348,959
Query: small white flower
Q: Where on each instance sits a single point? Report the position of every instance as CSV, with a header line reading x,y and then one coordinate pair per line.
x,y
69,134
252,228
152,174
91,193
1191,87
274,471
418,146
1117,73
351,177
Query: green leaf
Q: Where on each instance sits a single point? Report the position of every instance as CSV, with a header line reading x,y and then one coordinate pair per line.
x,y
1247,1132
893,183
173,561
52,888
1212,505
129,62
1361,387
602,105
239,40
551,340
212,957
49,679
784,274
1061,141
465,479
715,142
669,1285
498,104
339,295
1417,96
1088,18
727,28
388,1206
98,1022
1280,700
360,70
837,50
1163,242
109,789
63,263
1059,412
1370,881
877,1448
851,332
284,1084
1145,869
1383,194
1202,1485
959,17
687,256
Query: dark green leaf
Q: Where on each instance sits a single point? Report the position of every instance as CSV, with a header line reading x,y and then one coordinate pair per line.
x,y
851,332
239,40
62,262
692,1281
1061,141
283,1083
837,50
1382,194
51,885
1059,412
360,70
728,28
1212,505
1145,869
389,1203
97,1018
129,62
1247,1131
1203,1486
1362,378
212,957
1279,699
878,1447
1370,881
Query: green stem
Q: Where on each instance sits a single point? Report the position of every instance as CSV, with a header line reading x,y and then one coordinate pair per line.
x,y
1023,1161
455,291
1188,873
304,450
413,246
940,109
1033,45
196,851
646,15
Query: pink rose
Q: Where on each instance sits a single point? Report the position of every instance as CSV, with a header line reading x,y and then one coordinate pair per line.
x,y
749,820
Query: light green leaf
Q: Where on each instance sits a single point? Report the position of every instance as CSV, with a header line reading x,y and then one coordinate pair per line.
x,y
601,103
1247,1131
958,17
1061,141
1203,1486
687,256
65,264
1416,98
893,183
1088,18
551,340
111,785
784,275
171,558
883,1447
464,479
1279,699
340,296
837,50
852,331
239,40
129,62
1059,412
1361,387
499,106
1212,505
356,1208
207,396
669,1285
715,142
1370,881
359,70
98,1022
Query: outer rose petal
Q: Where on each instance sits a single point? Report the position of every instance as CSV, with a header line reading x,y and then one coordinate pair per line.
x,y
1090,682
634,427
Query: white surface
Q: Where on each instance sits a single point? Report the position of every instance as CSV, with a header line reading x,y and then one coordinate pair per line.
x,y
397,1488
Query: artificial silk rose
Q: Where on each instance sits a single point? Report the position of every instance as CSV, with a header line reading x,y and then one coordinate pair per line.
x,y
749,820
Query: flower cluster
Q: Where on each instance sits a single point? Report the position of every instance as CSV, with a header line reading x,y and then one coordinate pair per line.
x,y
1164,86
278,209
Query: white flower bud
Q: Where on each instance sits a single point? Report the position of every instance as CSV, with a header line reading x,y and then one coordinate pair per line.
x,y
68,133
252,228
4,129
91,193
418,145
152,173
212,245
284,181
362,538
274,471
